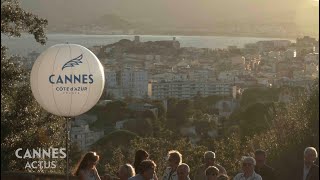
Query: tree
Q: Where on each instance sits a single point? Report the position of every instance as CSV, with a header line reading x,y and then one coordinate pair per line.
x,y
109,147
172,102
291,132
255,95
204,124
148,114
113,111
15,20
200,103
183,112
24,124
143,127
255,119
160,106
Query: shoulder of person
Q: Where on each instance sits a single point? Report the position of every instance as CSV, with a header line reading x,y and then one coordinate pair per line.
x,y
269,167
314,168
168,169
219,166
133,177
238,176
257,176
82,171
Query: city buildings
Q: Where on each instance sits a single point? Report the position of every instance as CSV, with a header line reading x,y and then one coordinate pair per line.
x,y
189,89
82,135
127,83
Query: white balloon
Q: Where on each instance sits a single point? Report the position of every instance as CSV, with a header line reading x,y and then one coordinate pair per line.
x,y
67,79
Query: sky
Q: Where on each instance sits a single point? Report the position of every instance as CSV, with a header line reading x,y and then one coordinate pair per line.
x,y
180,13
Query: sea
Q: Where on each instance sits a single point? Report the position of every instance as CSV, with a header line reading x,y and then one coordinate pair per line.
x,y
26,44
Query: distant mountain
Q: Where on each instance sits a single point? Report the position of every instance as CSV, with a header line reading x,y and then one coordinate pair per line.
x,y
154,16
112,21
107,23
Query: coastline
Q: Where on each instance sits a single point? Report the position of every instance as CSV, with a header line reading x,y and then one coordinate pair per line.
x,y
238,35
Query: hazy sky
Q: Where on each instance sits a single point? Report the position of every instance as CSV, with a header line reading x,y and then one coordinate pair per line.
x,y
182,13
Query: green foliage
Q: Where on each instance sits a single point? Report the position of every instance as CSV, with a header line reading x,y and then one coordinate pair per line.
x,y
115,138
204,123
255,95
204,104
15,20
292,130
180,113
172,102
142,127
229,152
23,123
112,163
148,114
109,148
255,119
161,109
109,114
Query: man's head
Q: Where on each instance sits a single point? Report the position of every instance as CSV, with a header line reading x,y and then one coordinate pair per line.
x,y
260,157
174,158
183,171
248,164
148,168
126,171
310,156
209,158
212,173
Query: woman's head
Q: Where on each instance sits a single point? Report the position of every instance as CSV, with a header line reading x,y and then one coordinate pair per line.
x,y
88,161
148,168
174,158
138,158
126,171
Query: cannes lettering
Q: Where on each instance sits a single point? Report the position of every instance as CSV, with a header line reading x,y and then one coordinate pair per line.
x,y
41,155
66,80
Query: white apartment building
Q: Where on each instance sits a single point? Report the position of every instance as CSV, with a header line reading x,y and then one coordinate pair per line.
x,y
228,75
199,75
169,77
111,79
189,89
127,82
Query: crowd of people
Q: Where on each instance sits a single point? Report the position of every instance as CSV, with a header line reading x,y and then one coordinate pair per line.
x,y
253,168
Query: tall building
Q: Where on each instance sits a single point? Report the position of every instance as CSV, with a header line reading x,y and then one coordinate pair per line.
x,y
127,83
